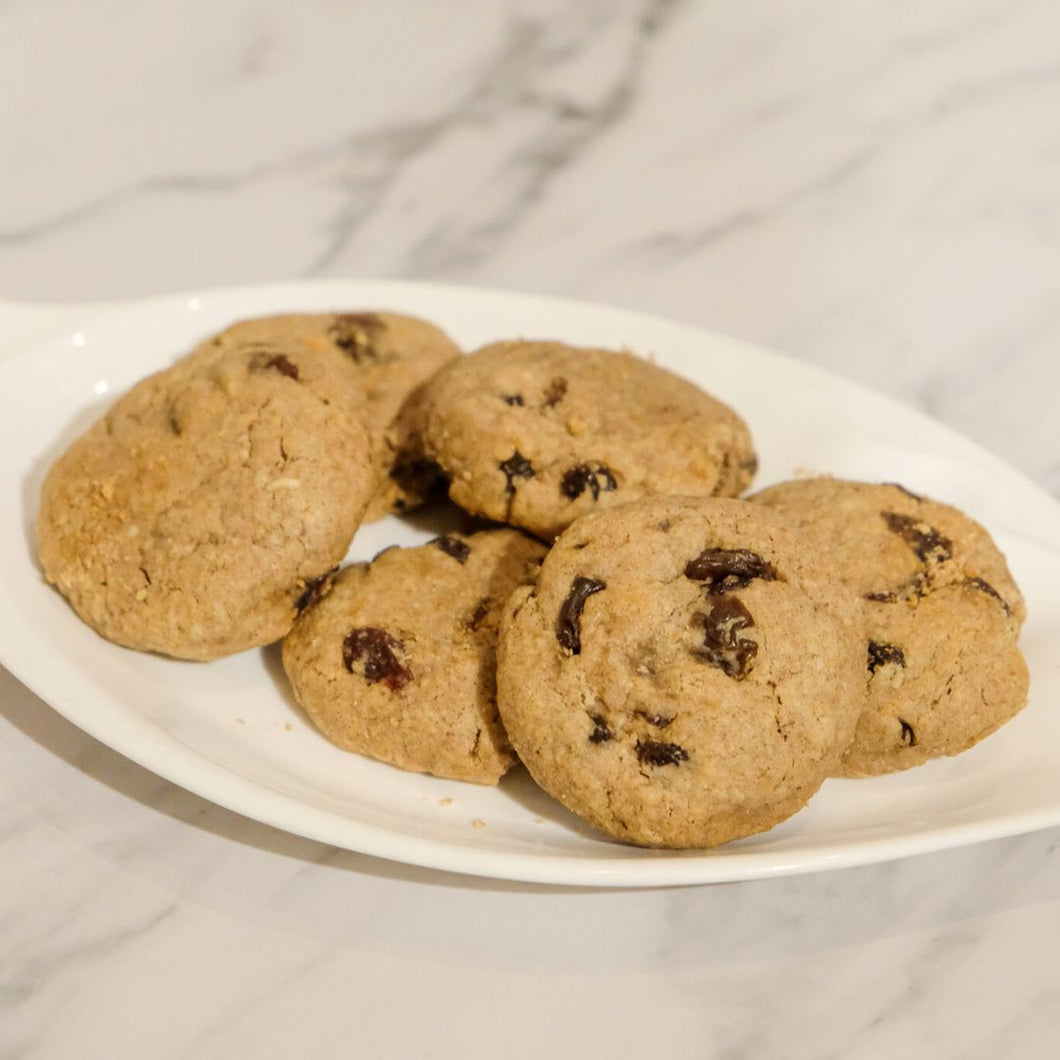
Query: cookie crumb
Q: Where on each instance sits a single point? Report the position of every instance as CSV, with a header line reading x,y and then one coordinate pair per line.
x,y
445,802
478,823
241,721
288,727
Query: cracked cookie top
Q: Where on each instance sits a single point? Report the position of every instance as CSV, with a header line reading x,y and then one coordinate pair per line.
x,y
396,659
190,519
537,433
385,357
679,676
939,609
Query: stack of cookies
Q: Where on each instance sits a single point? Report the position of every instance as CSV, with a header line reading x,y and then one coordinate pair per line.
x,y
677,666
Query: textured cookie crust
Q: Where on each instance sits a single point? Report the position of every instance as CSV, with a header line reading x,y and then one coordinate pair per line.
x,y
386,357
537,433
397,660
940,611
189,519
679,677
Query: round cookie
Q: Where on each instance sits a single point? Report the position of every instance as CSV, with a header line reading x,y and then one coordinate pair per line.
x,y
386,356
396,660
538,433
940,611
679,677
191,517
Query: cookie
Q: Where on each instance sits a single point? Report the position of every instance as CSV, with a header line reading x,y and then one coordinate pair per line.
x,y
396,661
940,613
191,517
537,433
679,677
387,356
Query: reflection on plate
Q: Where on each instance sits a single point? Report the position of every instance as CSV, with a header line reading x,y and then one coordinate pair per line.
x,y
230,732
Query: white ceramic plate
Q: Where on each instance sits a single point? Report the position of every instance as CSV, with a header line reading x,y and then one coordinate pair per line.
x,y
230,732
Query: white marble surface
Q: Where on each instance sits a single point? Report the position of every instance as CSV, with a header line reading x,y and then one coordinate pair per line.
x,y
873,186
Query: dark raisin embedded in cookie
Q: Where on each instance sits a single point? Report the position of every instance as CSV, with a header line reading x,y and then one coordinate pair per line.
x,y
908,736
985,587
595,477
724,569
555,391
601,730
656,753
355,333
477,616
453,546
884,654
723,646
929,545
568,628
514,400
278,362
516,466
377,650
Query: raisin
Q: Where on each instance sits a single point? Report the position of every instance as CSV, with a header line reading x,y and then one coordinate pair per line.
x,y
315,590
929,545
907,734
595,477
277,361
481,612
601,730
568,628
986,587
724,569
514,399
377,650
656,753
914,589
516,466
660,721
882,654
354,333
750,465
883,597
723,646
555,392
453,546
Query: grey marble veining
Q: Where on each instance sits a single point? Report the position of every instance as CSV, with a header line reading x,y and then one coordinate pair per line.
x,y
872,187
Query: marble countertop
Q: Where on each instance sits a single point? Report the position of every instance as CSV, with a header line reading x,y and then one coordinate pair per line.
x,y
870,186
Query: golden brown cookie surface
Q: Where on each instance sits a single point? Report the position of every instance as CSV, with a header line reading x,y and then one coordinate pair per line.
x,y
678,677
397,660
189,519
940,612
386,357
537,433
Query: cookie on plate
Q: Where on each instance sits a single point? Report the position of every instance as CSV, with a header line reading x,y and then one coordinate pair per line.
x,y
396,660
387,356
679,677
537,433
940,611
191,517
